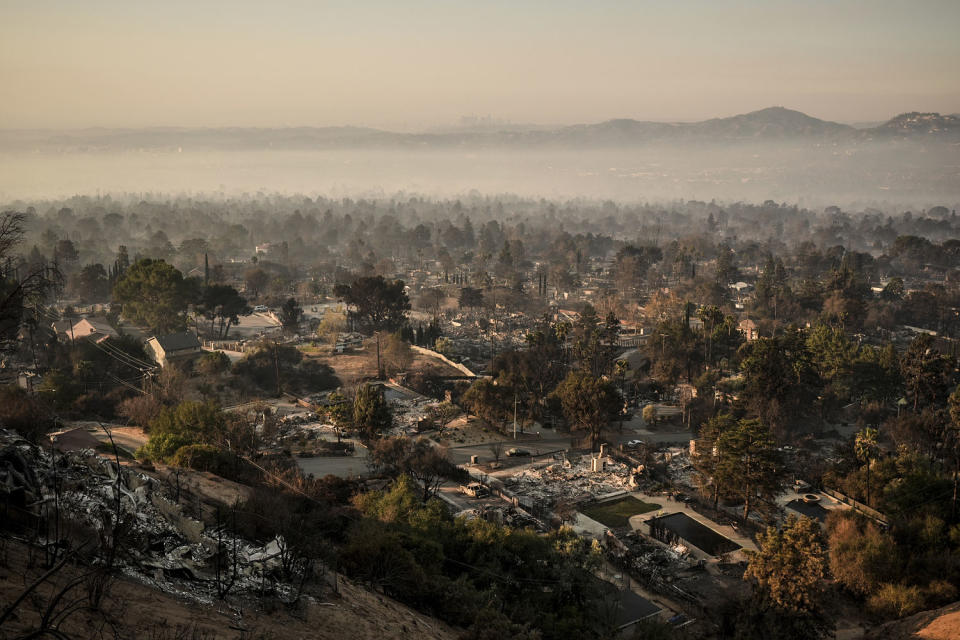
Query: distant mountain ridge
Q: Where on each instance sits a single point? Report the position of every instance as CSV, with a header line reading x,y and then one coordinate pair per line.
x,y
770,124
915,123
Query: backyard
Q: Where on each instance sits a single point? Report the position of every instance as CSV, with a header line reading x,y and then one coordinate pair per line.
x,y
618,513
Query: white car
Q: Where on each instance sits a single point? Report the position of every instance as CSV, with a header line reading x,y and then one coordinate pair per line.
x,y
261,308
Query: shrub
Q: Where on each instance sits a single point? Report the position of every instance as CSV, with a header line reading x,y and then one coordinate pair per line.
x,y
649,414
895,601
261,367
22,413
161,446
187,423
203,457
140,410
213,363
940,592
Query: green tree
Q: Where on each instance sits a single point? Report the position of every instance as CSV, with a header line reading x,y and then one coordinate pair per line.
x,y
333,323
395,354
371,414
927,373
876,375
153,293
339,409
489,401
378,305
749,463
781,382
588,403
865,446
278,367
420,459
222,303
443,346
470,298
952,446
213,363
21,285
894,290
186,424
631,265
90,283
255,281
861,555
833,354
708,453
771,289
290,314
790,565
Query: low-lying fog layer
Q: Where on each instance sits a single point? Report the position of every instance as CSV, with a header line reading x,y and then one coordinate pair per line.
x,y
808,174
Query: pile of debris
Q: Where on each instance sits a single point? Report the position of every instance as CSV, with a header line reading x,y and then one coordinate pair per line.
x,y
409,414
577,480
506,515
160,546
679,468
655,567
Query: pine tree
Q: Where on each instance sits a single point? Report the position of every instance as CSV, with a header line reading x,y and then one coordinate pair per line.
x,y
371,415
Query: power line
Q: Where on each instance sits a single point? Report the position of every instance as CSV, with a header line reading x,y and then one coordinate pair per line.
x,y
123,358
112,347
127,384
106,346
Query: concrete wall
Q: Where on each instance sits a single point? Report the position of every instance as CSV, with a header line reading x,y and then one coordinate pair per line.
x,y
429,352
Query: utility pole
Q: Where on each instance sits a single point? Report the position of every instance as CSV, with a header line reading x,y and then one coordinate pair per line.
x,y
276,365
380,373
514,415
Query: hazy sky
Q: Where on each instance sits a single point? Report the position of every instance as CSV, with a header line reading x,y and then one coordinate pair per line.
x,y
417,64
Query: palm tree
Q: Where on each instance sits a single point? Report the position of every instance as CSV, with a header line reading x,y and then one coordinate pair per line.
x,y
621,367
865,446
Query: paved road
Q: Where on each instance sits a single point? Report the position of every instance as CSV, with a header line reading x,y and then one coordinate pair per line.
x,y
342,466
551,441
253,325
548,441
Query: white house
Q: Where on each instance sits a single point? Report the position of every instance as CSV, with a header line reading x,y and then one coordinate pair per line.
x,y
92,328
174,348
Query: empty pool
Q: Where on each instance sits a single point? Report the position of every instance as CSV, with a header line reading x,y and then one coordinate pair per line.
x,y
681,527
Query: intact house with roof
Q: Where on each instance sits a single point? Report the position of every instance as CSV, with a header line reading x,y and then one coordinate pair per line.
x,y
175,348
95,329
749,328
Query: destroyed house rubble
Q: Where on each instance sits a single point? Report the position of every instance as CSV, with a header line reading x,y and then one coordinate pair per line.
x,y
573,480
161,545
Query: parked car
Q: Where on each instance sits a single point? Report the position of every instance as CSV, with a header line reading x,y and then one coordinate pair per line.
x,y
633,444
514,452
260,308
474,490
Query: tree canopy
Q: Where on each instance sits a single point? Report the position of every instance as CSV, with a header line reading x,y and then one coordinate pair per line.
x,y
790,565
153,293
378,304
589,403
371,414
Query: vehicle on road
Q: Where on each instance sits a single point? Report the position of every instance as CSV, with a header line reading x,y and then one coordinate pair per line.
x,y
516,453
633,444
260,308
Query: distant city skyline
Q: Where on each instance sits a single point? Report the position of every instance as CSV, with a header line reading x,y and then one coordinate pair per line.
x,y
427,63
